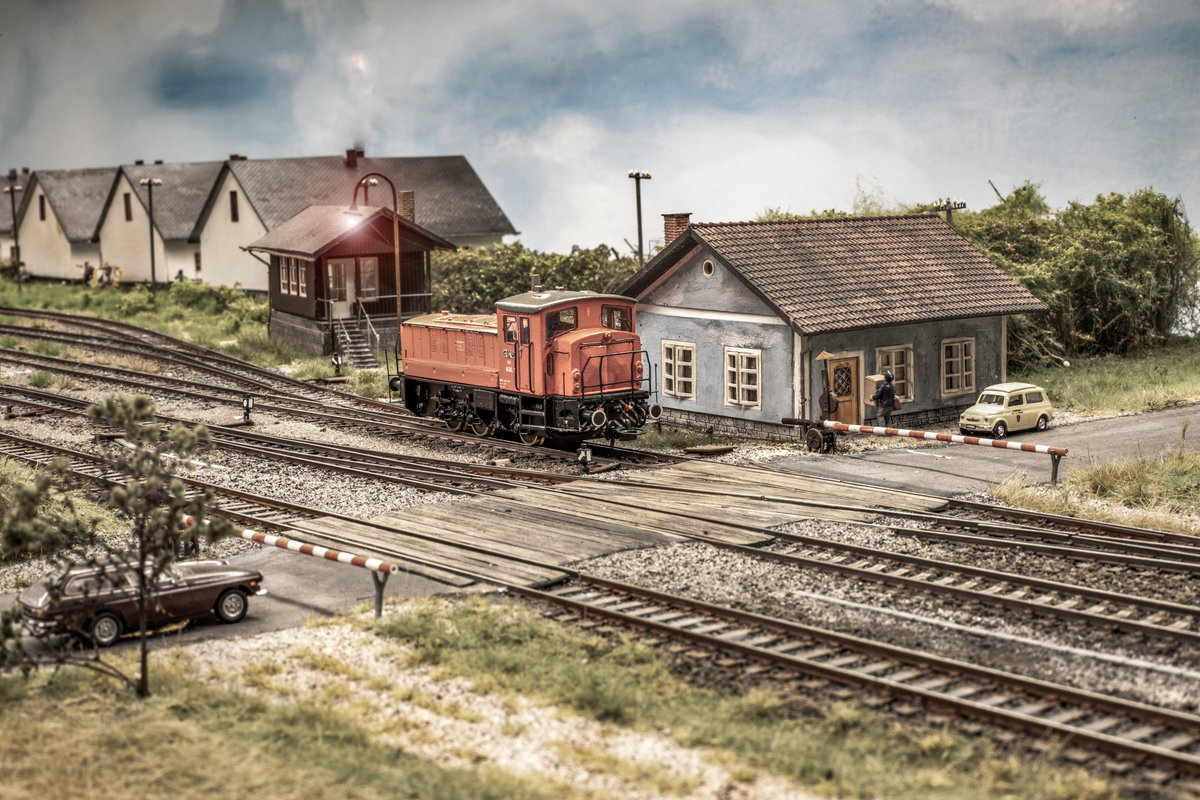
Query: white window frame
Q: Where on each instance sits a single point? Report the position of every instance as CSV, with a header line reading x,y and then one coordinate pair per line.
x,y
303,266
959,364
903,376
283,275
294,275
738,387
670,360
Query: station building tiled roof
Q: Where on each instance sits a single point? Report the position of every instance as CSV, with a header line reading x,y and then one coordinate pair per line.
x,y
832,274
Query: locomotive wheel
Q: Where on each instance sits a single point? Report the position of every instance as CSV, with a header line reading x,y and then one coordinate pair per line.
x,y
481,429
531,439
456,424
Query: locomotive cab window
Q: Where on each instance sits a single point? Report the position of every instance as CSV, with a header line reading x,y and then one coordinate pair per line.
x,y
524,330
618,318
561,321
510,330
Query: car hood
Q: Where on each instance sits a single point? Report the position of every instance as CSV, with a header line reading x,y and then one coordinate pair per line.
x,y
985,409
36,596
212,569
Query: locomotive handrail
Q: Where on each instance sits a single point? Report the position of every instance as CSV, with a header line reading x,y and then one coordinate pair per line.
x,y
602,386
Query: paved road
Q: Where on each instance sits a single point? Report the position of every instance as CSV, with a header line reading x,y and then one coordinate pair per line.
x,y
950,469
299,588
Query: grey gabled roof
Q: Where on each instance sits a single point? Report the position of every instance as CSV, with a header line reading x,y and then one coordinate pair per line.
x,y
178,200
842,273
449,196
75,195
316,229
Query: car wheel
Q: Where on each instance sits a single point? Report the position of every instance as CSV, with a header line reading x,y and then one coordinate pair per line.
x,y
231,606
106,629
1042,423
1000,431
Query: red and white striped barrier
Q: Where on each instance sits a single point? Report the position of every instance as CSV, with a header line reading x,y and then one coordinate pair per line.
x,y
376,564
947,437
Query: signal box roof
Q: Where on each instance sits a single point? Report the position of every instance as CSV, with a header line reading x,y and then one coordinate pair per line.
x,y
532,302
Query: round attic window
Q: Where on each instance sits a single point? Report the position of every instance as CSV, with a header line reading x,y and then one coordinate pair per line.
x,y
708,268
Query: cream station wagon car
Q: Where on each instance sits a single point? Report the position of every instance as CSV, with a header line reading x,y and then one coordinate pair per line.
x,y
1007,407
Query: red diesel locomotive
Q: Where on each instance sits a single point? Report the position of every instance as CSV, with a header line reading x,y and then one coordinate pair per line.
x,y
553,365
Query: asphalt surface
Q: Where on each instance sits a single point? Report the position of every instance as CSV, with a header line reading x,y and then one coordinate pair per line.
x,y
952,469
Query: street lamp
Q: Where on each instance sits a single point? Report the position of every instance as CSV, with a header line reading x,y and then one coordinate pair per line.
x,y
638,176
367,183
150,183
11,190
363,182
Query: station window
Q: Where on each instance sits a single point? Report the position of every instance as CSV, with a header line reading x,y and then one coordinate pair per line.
x,y
679,370
900,361
128,208
368,269
283,275
958,366
742,374
233,207
42,207
293,276
618,318
303,277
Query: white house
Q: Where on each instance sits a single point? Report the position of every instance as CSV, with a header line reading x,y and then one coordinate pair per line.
x,y
253,196
57,220
178,198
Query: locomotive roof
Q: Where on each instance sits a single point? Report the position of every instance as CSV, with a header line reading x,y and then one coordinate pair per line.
x,y
530,302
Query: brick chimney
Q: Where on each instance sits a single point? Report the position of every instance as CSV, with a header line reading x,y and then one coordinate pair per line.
x,y
407,205
675,224
236,157
352,157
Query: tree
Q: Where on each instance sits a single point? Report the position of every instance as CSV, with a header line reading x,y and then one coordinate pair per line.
x,y
154,501
471,281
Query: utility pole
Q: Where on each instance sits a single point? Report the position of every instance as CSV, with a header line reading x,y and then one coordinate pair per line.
x,y
949,206
150,183
639,176
11,190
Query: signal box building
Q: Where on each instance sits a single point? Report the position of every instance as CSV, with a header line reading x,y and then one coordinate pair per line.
x,y
750,322
330,270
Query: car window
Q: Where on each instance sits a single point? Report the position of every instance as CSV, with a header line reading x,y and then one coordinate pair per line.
x,y
987,399
561,321
1016,400
1034,397
616,317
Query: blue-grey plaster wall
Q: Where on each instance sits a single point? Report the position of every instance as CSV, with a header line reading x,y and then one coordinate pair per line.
x,y
925,340
690,290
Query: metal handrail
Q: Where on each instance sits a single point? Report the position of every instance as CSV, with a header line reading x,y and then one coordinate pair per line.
x,y
635,356
371,332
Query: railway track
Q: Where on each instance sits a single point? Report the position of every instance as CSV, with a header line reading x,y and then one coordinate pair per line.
x,y
1127,731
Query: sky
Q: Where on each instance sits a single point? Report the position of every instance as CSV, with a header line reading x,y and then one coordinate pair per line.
x,y
732,107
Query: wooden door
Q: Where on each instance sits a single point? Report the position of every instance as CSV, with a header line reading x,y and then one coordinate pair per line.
x,y
341,286
843,381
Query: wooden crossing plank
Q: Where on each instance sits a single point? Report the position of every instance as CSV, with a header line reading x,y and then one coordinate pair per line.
x,y
392,545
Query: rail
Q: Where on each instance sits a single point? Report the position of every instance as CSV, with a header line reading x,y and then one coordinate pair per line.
x,y
1056,454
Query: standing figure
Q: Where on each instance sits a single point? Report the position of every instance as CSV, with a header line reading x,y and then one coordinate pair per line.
x,y
885,398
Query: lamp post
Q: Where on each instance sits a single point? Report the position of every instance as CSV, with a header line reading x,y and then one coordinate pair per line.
x,y
639,176
11,190
362,182
150,183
